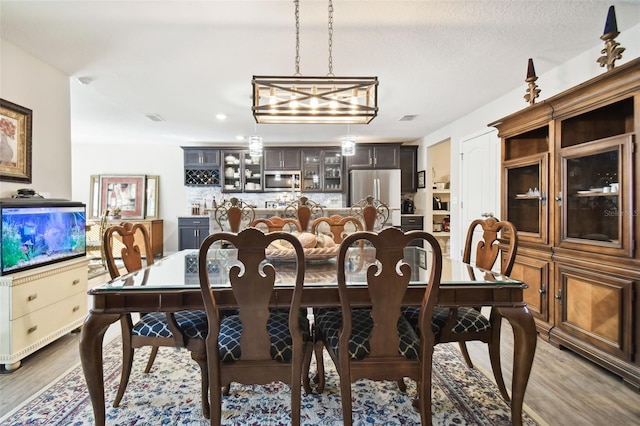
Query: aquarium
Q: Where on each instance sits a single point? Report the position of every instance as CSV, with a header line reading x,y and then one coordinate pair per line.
x,y
37,232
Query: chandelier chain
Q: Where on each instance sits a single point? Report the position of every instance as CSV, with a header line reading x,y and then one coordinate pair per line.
x,y
297,14
330,39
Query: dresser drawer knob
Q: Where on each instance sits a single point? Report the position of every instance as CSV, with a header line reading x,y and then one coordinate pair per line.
x,y
76,308
33,296
76,281
32,329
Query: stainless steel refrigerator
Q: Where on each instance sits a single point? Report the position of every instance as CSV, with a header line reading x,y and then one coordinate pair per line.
x,y
383,185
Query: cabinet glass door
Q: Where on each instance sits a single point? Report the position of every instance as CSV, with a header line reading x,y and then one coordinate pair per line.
x,y
311,170
332,171
252,170
232,171
525,202
596,208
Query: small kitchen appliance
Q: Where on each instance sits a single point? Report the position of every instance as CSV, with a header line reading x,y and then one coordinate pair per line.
x,y
408,206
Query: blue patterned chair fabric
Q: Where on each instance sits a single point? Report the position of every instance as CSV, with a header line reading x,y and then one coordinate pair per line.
x,y
192,323
277,327
468,320
329,322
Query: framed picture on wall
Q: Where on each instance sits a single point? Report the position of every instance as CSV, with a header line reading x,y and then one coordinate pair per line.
x,y
94,197
151,199
126,193
15,142
421,179
422,258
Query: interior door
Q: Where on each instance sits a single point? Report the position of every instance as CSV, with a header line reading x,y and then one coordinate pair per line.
x,y
480,183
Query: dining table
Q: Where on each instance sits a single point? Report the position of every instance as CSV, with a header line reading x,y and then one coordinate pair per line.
x,y
171,284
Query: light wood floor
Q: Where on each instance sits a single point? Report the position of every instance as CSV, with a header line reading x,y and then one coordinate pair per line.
x,y
564,388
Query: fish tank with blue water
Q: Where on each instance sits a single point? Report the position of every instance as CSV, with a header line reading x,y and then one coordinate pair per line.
x,y
38,232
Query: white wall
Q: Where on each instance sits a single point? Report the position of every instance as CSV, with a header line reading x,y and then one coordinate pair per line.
x,y
130,159
566,75
33,84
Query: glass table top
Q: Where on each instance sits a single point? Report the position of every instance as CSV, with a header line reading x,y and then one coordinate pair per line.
x,y
180,271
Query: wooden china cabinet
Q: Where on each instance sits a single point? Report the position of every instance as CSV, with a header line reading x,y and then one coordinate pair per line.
x,y
570,184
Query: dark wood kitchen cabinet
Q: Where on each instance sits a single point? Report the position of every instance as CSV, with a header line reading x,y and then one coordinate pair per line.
x,y
570,184
375,156
282,159
201,166
408,167
192,231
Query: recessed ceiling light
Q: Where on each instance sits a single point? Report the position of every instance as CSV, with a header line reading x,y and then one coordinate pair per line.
x,y
221,116
408,117
239,138
85,80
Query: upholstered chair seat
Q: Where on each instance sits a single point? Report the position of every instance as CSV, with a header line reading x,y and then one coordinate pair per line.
x,y
277,328
192,323
329,323
468,320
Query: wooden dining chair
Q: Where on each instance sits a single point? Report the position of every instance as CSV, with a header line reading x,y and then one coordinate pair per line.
x,y
468,324
233,215
378,343
276,223
258,345
372,212
303,209
336,225
180,329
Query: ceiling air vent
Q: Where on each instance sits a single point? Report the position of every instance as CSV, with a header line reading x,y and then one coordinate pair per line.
x,y
155,117
408,117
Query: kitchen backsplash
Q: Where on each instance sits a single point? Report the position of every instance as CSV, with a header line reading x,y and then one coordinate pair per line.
x,y
198,195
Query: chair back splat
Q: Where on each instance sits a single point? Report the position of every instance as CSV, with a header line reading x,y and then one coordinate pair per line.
x,y
233,215
130,253
338,226
488,249
372,212
303,209
378,343
259,344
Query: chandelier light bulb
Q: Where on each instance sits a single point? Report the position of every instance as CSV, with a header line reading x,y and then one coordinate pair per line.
x,y
313,102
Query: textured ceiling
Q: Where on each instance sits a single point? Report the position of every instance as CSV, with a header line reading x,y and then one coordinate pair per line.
x,y
190,60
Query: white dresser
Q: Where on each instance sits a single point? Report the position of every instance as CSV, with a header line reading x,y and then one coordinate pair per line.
x,y
40,305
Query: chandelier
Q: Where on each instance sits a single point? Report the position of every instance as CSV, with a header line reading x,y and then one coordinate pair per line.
x,y
314,100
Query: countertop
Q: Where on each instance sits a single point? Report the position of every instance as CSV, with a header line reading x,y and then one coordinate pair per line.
x,y
328,211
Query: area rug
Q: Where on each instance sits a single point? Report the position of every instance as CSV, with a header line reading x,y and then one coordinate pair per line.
x,y
170,395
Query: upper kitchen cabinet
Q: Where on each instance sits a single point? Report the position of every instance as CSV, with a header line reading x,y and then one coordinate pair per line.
x,y
332,171
311,169
198,156
570,184
201,166
322,170
408,167
242,173
281,159
375,156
